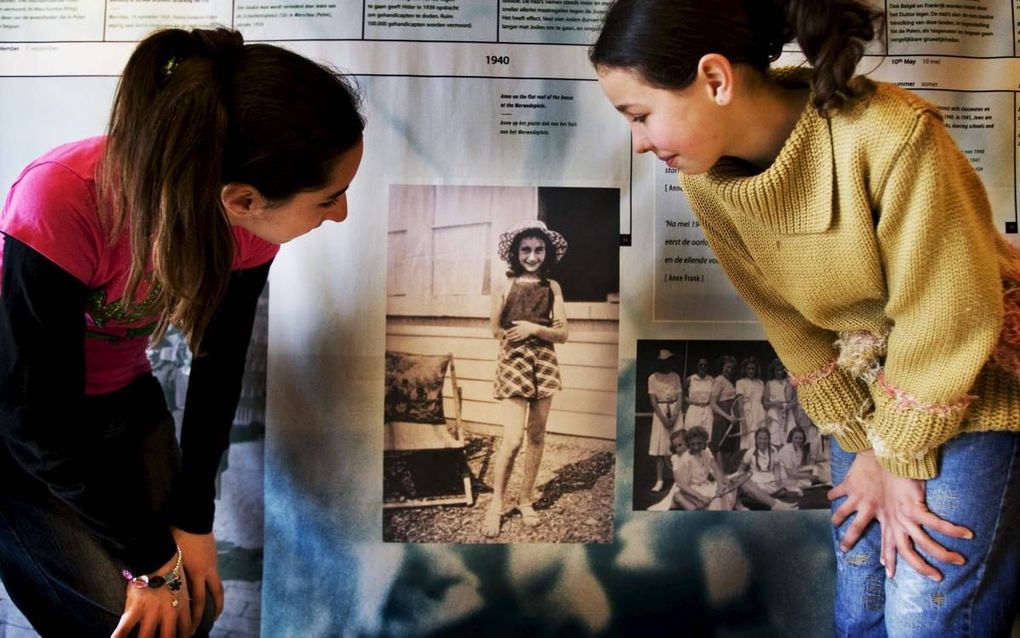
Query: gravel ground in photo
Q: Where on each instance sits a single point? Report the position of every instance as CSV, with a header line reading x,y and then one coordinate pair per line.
x,y
573,499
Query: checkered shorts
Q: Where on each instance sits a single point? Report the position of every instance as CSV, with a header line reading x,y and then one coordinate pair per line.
x,y
526,369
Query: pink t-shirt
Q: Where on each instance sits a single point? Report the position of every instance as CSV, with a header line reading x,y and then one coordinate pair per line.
x,y
52,208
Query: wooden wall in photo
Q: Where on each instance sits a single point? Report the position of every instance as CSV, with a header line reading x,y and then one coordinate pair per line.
x,y
588,365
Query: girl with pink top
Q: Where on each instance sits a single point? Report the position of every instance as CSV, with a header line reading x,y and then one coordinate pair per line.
x,y
217,151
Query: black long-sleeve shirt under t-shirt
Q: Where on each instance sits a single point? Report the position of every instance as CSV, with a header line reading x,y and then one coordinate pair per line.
x,y
46,420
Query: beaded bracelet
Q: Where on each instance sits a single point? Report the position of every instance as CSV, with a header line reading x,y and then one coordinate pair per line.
x,y
172,579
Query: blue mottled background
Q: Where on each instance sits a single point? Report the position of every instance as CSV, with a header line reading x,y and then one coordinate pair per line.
x,y
719,574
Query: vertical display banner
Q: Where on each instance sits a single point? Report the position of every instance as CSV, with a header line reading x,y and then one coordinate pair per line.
x,y
381,361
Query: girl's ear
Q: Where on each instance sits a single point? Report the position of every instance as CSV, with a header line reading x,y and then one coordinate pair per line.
x,y
241,202
717,74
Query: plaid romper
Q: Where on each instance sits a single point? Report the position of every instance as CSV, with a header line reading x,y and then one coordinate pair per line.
x,y
527,369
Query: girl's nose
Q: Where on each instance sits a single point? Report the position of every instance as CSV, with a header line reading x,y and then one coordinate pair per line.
x,y
338,213
640,142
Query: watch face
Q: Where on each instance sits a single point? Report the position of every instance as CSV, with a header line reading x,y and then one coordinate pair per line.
x,y
156,581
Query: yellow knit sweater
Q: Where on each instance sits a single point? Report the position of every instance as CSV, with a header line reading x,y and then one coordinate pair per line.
x,y
869,254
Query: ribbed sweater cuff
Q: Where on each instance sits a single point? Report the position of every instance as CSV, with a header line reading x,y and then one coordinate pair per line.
x,y
906,434
923,468
853,438
834,400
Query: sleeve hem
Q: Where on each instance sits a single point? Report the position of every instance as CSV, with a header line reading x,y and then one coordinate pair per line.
x,y
194,526
906,434
923,468
832,396
142,558
852,438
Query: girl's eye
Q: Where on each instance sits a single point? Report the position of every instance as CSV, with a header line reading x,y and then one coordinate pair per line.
x,y
331,203
638,119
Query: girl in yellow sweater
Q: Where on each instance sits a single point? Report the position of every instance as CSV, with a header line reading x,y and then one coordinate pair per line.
x,y
848,219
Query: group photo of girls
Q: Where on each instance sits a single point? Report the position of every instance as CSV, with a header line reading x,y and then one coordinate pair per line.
x,y
720,428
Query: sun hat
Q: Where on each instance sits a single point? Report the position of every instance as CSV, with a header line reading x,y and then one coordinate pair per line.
x,y
663,361
507,239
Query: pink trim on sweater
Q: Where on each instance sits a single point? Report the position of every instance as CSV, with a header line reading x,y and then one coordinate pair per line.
x,y
812,377
1006,355
904,400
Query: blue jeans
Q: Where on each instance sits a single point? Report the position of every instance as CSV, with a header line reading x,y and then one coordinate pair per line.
x,y
978,486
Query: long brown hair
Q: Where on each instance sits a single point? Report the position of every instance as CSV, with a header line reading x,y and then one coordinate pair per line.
x,y
198,109
663,40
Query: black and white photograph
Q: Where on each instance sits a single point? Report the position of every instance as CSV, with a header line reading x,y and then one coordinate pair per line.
x,y
718,427
501,363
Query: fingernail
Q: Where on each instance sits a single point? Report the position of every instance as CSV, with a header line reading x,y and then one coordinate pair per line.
x,y
970,535
881,561
888,573
937,578
960,562
844,548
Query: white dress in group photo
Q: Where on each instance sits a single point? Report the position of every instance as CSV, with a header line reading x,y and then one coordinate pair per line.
x,y
664,389
780,418
754,410
699,390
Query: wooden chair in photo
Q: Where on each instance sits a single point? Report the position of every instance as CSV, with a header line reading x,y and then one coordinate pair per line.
x,y
425,461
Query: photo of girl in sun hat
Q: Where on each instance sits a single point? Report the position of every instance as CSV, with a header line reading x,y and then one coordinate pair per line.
x,y
528,316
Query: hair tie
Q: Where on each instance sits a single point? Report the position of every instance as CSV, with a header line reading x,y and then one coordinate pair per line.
x,y
169,66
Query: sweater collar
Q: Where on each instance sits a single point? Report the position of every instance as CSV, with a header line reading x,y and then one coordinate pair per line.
x,y
794,195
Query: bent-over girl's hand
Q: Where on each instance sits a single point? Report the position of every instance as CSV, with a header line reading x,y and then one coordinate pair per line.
x,y
199,551
863,490
151,609
903,528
